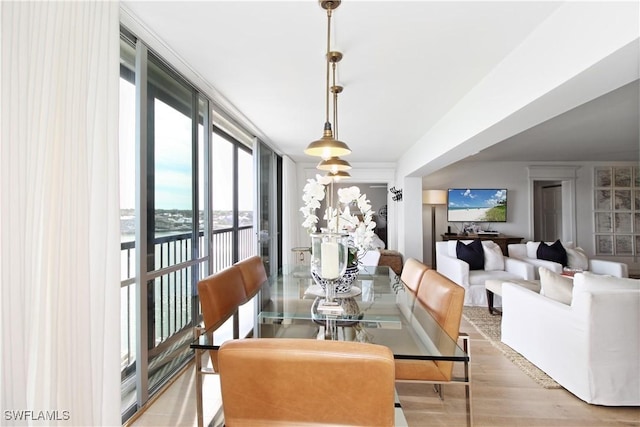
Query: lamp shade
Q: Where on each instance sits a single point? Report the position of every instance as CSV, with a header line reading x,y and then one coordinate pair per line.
x,y
327,147
334,164
338,176
434,197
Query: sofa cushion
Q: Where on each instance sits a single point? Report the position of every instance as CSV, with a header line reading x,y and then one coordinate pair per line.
x,y
577,259
493,257
588,282
556,286
555,252
479,277
472,254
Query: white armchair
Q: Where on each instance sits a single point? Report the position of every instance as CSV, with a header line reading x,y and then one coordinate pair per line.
x,y
527,252
496,267
591,346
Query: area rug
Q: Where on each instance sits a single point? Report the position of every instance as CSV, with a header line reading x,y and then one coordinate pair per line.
x,y
489,328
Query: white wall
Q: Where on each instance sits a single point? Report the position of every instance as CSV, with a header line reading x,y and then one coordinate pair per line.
x,y
514,176
410,241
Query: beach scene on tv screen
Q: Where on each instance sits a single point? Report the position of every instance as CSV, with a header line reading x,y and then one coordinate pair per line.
x,y
477,205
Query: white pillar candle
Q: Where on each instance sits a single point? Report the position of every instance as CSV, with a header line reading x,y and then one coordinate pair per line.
x,y
329,260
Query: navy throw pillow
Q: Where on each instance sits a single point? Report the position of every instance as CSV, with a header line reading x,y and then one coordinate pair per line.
x,y
554,252
472,254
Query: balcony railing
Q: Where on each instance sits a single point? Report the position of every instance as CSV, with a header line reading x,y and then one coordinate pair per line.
x,y
172,293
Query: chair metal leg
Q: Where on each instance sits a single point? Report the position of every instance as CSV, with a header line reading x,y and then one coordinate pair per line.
x,y
438,389
467,378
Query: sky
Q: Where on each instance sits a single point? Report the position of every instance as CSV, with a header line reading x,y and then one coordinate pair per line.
x,y
173,160
475,198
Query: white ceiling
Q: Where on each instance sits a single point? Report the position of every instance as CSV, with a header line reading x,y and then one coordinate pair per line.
x,y
405,65
605,129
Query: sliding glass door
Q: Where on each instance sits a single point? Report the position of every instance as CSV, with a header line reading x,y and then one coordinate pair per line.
x,y
268,224
162,141
189,188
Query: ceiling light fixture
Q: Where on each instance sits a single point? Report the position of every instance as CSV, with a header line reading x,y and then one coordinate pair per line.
x,y
334,164
328,146
338,176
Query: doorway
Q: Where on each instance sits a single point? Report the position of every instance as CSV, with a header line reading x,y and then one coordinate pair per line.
x,y
547,207
560,222
377,195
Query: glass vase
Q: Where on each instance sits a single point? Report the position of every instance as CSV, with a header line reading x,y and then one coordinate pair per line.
x,y
328,259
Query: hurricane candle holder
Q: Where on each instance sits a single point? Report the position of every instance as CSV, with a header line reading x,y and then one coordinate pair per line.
x,y
329,259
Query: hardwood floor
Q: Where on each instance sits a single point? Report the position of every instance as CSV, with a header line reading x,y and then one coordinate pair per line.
x,y
502,395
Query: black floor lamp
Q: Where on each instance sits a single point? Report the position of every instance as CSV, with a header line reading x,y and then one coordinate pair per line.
x,y
434,198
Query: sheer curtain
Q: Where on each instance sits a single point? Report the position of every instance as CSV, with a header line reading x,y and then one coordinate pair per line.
x,y
59,216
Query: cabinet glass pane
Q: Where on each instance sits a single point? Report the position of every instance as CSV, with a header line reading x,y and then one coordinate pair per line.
x,y
603,200
604,245
622,177
622,200
624,245
603,222
622,222
603,177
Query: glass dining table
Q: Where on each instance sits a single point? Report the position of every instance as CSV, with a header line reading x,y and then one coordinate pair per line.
x,y
379,309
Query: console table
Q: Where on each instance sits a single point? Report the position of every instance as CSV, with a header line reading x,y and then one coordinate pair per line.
x,y
500,239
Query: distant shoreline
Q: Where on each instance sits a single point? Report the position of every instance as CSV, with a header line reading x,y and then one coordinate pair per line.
x,y
468,214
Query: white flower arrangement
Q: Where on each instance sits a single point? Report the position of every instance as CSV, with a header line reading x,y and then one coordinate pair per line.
x,y
313,194
361,230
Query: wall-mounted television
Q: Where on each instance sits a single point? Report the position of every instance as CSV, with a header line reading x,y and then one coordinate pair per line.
x,y
477,205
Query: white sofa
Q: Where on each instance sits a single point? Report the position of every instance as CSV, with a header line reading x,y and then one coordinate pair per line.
x,y
473,281
590,347
577,259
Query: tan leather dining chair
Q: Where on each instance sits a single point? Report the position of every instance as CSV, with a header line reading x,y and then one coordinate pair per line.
x,y
220,296
253,274
296,382
412,273
444,300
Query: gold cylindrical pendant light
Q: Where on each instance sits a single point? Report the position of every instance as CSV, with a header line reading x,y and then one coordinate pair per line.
x,y
328,146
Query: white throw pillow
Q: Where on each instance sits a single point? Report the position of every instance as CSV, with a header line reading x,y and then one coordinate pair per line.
x,y
532,249
493,257
577,259
556,286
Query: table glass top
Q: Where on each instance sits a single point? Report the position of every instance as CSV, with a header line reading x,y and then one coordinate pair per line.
x,y
379,309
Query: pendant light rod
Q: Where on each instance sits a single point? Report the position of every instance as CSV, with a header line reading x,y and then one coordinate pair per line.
x,y
333,58
328,146
328,50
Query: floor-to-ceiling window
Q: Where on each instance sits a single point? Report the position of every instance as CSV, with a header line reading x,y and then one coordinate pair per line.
x,y
232,212
161,140
187,210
